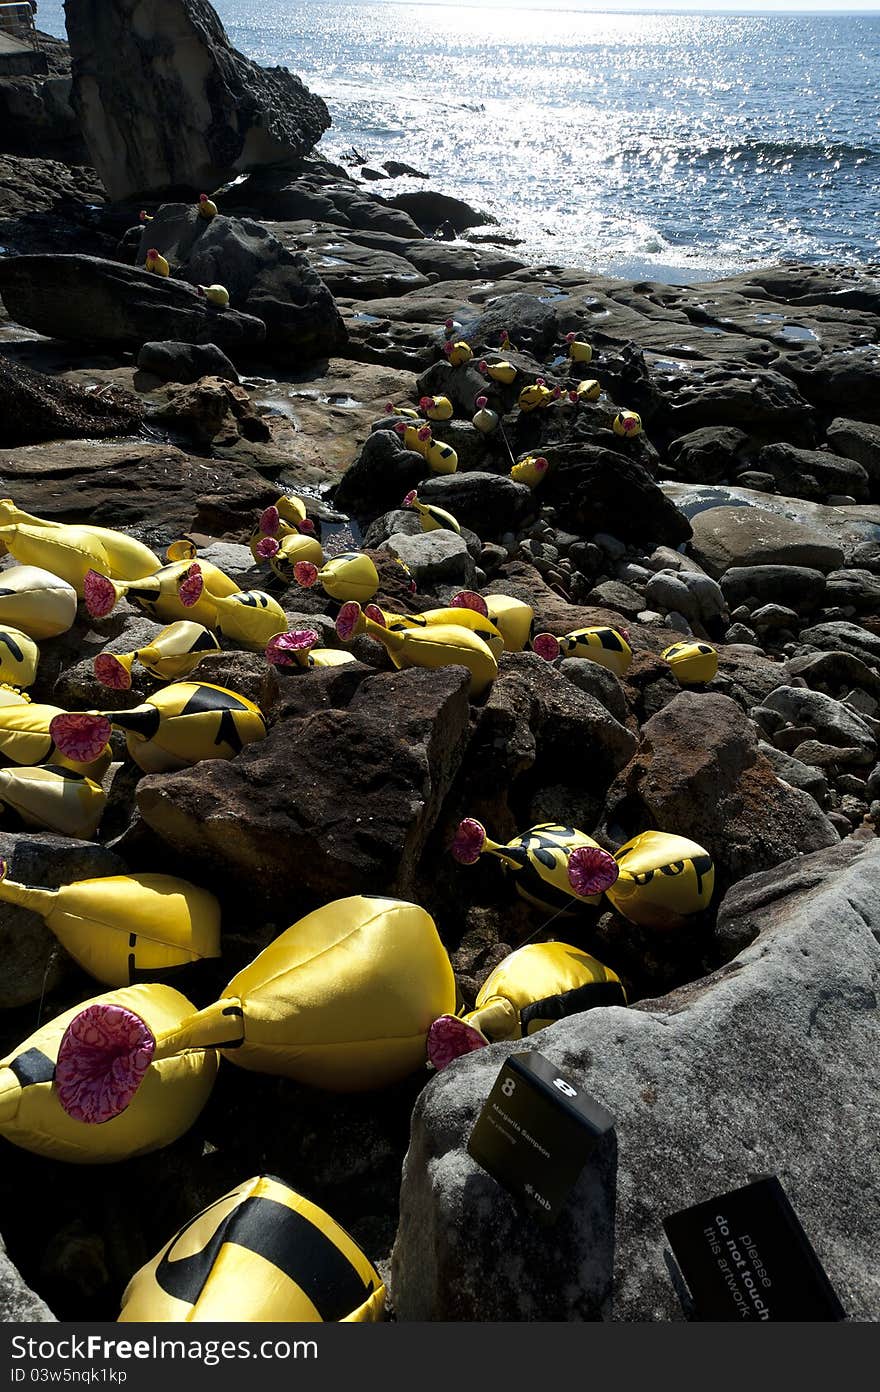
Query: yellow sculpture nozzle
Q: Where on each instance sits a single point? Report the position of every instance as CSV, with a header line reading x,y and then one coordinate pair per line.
x,y
114,669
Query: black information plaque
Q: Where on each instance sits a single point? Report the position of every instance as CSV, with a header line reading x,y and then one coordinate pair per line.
x,y
535,1132
745,1256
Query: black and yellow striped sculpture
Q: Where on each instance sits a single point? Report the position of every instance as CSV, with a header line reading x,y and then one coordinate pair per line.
x,y
692,663
122,928
533,987
54,799
181,589
439,645
465,611
41,604
284,536
26,739
539,862
19,656
512,617
262,1253
177,726
663,880
248,617
431,518
606,646
175,652
71,550
55,1103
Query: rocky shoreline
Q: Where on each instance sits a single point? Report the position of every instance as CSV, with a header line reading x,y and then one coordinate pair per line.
x,y
746,514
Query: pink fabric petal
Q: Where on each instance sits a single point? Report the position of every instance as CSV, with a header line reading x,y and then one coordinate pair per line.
x,y
469,841
297,640
305,574
372,611
591,871
267,548
410,499
307,526
449,1038
102,1059
270,521
347,620
546,646
189,589
79,736
110,672
99,594
541,464
481,402
468,599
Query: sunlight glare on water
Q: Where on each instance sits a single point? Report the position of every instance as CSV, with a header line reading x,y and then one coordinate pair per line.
x,y
703,141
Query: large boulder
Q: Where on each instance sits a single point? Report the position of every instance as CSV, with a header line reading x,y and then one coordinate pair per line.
x,y
599,490
338,799
35,407
18,1303
766,1066
698,774
725,537
164,99
90,300
262,277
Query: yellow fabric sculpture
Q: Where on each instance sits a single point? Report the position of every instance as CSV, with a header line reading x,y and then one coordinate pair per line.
x,y
71,550
41,604
298,648
349,576
467,610
538,860
606,646
664,879
26,738
19,656
530,989
54,798
692,663
177,726
440,645
512,618
431,518
182,589
52,1104
173,653
261,1253
123,927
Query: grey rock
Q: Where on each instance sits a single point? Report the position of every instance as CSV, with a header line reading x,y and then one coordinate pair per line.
x,y
741,633
840,636
186,362
430,209
725,537
833,722
597,682
203,116
380,477
814,473
797,586
771,617
708,454
613,594
698,597
792,771
689,1079
18,1303
857,440
433,557
33,958
490,504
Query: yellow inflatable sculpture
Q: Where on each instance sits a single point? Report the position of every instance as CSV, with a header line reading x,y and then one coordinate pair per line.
x,y
54,798
262,1253
692,663
54,1101
115,554
627,424
284,536
536,396
440,645
350,575
173,653
466,611
606,646
342,1000
431,518
120,928
588,390
483,418
182,589
538,860
512,618
41,604
249,617
530,470
175,727
298,648
578,350
457,353
663,880
501,371
436,407
530,989
19,656
26,739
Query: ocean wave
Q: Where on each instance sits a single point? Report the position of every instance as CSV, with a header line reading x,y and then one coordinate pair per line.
x,y
784,151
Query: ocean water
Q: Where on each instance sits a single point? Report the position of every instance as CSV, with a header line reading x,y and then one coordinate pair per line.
x,y
677,145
